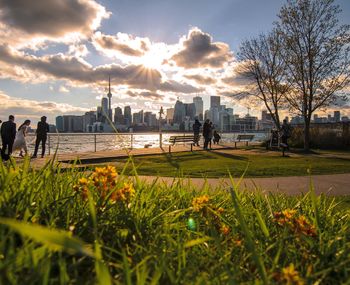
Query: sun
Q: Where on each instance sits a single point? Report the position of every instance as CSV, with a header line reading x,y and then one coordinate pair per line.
x,y
151,60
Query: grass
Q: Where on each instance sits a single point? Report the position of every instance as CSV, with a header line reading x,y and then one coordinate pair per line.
x,y
219,164
85,228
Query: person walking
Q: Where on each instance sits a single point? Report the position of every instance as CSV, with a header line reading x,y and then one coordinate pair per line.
x,y
20,141
286,130
206,131
8,134
196,128
41,136
210,135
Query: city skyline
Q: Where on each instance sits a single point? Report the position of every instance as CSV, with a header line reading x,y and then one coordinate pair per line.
x,y
60,61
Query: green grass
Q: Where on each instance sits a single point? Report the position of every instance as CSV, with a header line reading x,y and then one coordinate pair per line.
x,y
51,234
216,164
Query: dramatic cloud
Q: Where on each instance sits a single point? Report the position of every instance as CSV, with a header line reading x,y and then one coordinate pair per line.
x,y
203,80
52,18
198,50
120,43
77,70
32,109
174,86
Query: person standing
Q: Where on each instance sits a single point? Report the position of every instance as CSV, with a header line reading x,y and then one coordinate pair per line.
x,y
20,141
210,135
8,134
41,136
206,133
286,130
196,128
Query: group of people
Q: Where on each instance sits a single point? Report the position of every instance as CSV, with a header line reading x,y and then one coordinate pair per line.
x,y
209,133
14,139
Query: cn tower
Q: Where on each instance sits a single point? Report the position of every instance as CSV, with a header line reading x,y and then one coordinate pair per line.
x,y
109,95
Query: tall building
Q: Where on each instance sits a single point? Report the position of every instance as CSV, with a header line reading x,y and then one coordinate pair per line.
x,y
198,102
215,102
179,112
118,116
337,116
89,118
104,109
137,118
190,110
150,119
127,116
59,124
109,95
170,115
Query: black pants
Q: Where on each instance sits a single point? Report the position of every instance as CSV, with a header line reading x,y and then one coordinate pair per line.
x,y
37,143
7,144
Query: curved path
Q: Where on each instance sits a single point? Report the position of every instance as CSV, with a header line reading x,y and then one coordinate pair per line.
x,y
335,184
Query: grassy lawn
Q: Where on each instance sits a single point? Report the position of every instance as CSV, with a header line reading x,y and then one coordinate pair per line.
x,y
218,164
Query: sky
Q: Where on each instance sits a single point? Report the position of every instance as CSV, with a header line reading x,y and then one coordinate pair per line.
x,y
56,55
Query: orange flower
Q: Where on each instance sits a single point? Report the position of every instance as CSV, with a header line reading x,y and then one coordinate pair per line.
x,y
225,230
200,202
123,194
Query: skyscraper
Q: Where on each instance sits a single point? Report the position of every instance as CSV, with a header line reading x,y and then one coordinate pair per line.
x,y
215,102
198,102
179,112
118,116
127,116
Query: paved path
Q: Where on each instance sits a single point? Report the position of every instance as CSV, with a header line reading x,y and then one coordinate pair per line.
x,y
335,184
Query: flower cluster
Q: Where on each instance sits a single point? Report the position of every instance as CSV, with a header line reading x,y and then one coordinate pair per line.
x,y
298,224
200,202
290,276
210,213
103,183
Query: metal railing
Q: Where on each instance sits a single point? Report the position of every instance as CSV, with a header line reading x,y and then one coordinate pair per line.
x,y
84,142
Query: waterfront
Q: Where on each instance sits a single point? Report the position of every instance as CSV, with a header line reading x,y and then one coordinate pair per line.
x,y
85,142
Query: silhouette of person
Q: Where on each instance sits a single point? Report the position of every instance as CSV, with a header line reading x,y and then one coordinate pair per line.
x,y
20,141
206,133
196,128
8,134
41,136
286,130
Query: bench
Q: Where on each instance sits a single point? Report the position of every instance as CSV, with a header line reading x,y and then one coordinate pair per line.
x,y
181,139
243,138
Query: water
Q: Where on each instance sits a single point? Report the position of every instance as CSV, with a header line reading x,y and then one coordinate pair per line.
x,y
84,142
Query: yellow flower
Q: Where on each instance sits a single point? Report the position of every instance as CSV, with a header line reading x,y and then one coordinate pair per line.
x,y
200,202
291,276
288,214
123,194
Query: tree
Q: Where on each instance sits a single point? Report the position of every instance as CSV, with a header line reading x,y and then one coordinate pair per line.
x,y
263,70
316,52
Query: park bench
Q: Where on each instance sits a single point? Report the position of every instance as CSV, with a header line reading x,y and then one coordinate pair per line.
x,y
243,138
181,139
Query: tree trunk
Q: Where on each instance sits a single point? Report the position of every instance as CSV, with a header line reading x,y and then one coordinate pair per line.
x,y
307,135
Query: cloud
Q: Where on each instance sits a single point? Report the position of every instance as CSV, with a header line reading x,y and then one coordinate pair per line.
x,y
120,43
198,50
31,24
203,80
78,50
60,66
174,86
63,89
23,108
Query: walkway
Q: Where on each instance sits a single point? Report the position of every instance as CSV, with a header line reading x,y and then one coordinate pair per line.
x,y
335,184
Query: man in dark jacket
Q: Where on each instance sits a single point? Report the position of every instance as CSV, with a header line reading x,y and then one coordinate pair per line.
x,y
196,128
41,136
206,133
8,134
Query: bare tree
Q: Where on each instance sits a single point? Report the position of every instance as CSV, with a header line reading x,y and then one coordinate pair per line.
x,y
316,51
263,69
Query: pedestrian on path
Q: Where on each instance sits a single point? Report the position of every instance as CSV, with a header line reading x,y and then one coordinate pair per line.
x,y
196,128
206,133
41,136
20,141
8,134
